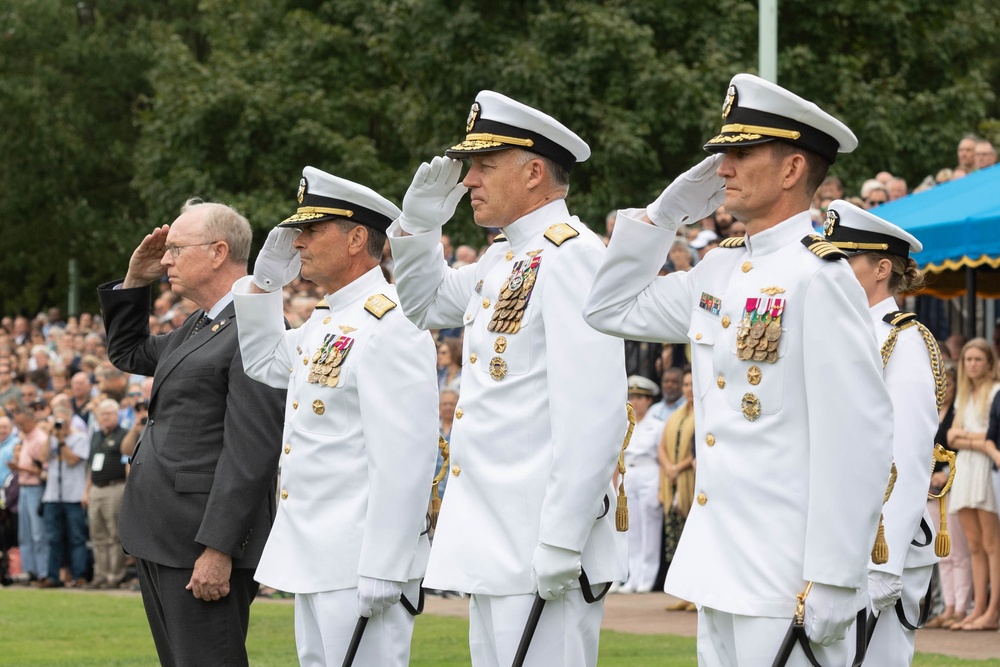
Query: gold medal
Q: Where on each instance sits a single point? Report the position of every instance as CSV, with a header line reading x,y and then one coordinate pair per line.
x,y
757,330
754,375
333,381
316,356
500,345
762,345
751,406
773,331
318,407
741,343
746,353
337,359
334,371
772,345
498,368
772,356
760,355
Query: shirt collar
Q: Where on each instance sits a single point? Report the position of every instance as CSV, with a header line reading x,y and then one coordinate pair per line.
x,y
368,283
220,305
531,225
782,234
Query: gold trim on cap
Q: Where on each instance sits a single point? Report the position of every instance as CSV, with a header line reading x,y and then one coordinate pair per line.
x,y
766,131
486,136
343,212
851,245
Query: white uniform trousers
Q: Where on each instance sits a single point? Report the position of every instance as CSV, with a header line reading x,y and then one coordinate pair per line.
x,y
892,644
567,635
325,622
731,640
645,525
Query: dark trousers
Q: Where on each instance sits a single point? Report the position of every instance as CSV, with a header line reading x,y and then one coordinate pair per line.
x,y
189,632
66,529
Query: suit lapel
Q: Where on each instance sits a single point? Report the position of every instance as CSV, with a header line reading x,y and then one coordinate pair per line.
x,y
189,344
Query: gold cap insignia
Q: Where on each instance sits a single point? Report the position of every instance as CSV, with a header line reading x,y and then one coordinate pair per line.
x,y
832,220
730,100
473,115
302,190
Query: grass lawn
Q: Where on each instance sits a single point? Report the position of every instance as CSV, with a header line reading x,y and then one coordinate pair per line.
x,y
78,629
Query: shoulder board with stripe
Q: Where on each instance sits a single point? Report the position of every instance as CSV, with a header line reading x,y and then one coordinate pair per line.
x,y
733,242
559,234
899,318
322,305
379,304
500,238
823,249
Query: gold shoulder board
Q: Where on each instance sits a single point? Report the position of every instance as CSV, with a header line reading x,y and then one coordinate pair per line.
x,y
322,305
500,238
899,318
559,234
379,304
823,249
733,242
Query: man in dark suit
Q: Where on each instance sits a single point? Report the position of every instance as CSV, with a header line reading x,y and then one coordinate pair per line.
x,y
200,497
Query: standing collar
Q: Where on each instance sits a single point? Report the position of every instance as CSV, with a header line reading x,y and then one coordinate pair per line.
x,y
366,284
531,225
784,233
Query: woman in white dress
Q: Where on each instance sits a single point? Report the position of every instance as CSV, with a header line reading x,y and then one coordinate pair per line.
x,y
972,494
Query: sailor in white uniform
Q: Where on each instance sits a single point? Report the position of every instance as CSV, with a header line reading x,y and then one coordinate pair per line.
x,y
360,438
542,414
793,421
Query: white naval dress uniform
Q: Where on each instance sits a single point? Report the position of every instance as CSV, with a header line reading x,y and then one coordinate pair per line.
x,y
645,521
356,465
910,381
533,449
793,496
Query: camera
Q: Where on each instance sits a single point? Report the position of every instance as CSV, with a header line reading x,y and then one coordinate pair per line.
x,y
142,405
60,423
143,421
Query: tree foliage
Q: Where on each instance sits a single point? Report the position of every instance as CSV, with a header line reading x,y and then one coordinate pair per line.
x,y
117,111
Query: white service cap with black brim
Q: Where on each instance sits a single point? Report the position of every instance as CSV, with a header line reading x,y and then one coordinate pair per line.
x,y
323,197
497,122
756,111
854,229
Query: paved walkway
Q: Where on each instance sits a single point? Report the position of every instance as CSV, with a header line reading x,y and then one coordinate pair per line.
x,y
645,614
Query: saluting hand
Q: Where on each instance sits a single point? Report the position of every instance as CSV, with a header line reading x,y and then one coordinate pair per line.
x,y
210,578
144,266
693,195
432,197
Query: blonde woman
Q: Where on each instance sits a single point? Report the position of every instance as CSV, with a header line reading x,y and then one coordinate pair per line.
x,y
972,495
676,455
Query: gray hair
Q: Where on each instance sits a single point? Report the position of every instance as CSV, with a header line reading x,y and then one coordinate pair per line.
x,y
224,223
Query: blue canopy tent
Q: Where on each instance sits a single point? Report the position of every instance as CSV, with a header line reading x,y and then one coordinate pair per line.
x,y
959,225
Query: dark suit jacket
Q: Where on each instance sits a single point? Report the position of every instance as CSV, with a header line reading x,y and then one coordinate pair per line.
x,y
204,471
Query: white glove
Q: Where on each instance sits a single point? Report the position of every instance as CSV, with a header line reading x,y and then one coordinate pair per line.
x,y
377,595
432,197
884,589
693,195
554,569
830,611
278,263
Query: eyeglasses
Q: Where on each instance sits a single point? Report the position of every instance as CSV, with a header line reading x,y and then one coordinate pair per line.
x,y
135,393
175,250
875,202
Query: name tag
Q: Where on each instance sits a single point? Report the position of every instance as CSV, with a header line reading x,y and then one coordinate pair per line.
x,y
98,464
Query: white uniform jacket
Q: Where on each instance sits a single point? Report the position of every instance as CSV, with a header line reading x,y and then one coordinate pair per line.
x,y
541,416
794,495
910,381
357,458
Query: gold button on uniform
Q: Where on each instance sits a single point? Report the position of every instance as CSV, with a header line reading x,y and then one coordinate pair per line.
x,y
697,336
288,449
710,440
509,256
455,471
746,267
305,361
472,358
486,303
295,405
725,321
459,413
702,499
468,317
721,381
284,494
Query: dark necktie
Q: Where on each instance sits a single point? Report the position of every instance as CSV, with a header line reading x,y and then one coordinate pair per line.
x,y
201,324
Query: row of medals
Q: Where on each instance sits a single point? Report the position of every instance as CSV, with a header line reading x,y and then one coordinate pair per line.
x,y
325,367
509,310
757,340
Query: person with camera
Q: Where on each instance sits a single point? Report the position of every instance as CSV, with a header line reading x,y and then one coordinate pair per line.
x,y
102,496
141,410
29,462
63,512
